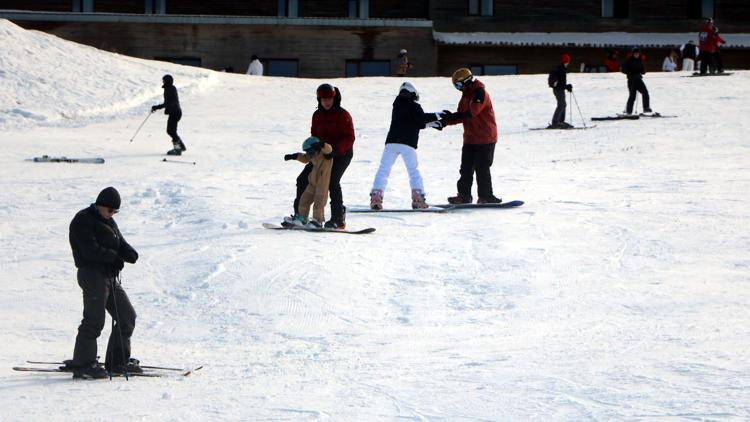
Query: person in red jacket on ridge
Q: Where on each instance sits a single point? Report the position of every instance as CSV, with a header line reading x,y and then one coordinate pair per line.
x,y
476,114
332,125
707,46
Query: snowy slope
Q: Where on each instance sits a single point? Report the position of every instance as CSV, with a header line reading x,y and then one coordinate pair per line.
x,y
619,291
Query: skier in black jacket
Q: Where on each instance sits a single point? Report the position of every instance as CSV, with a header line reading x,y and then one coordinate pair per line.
x,y
407,119
558,81
171,106
634,69
99,252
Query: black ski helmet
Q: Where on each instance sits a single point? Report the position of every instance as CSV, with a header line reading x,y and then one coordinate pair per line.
x,y
168,80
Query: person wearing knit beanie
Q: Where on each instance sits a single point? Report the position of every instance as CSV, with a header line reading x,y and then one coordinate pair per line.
x,y
100,252
558,81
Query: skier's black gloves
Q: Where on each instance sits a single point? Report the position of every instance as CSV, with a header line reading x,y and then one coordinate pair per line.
x,y
569,88
128,255
154,108
330,154
290,157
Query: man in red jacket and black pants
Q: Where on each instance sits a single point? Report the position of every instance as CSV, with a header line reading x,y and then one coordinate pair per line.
x,y
707,45
332,125
480,136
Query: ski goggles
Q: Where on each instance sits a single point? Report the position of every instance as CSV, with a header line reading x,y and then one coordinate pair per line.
x,y
461,84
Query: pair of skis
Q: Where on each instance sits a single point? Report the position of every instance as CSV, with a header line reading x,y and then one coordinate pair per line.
x,y
631,116
149,371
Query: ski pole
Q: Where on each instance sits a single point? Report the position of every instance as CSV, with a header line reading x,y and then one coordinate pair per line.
x,y
570,95
579,109
139,127
119,331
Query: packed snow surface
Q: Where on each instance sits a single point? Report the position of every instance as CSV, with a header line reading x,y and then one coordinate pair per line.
x,y
618,291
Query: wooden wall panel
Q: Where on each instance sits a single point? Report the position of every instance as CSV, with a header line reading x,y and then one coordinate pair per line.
x,y
323,8
120,6
38,5
222,7
394,9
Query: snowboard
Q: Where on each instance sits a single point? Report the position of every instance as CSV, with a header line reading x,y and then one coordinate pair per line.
x,y
63,159
511,204
320,230
698,74
368,209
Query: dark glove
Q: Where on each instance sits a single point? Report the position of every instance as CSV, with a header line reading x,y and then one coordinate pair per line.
x,y
119,264
445,115
569,88
154,108
128,255
330,154
290,157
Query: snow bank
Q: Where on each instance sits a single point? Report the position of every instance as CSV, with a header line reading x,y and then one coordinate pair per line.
x,y
47,80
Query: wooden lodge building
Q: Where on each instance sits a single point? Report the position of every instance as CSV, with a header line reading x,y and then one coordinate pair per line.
x,y
342,38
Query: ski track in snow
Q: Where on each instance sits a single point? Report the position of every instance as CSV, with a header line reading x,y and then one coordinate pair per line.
x,y
618,291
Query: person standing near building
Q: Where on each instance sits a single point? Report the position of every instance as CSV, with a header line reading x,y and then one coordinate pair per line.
x,y
707,46
256,67
99,253
634,69
403,63
689,52
476,114
670,62
558,81
171,106
718,40
333,125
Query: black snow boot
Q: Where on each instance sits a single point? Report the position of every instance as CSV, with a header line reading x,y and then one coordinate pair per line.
x,y
175,151
489,200
132,367
338,220
460,199
92,371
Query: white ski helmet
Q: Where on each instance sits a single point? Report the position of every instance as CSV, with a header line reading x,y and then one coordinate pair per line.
x,y
408,87
403,51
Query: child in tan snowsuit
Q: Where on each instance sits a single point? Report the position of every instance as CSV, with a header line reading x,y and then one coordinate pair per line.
x,y
316,193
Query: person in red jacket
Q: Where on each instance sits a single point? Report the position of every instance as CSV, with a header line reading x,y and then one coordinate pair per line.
x,y
718,40
332,125
476,114
707,46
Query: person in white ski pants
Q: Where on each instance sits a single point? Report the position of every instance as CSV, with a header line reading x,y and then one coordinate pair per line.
x,y
390,153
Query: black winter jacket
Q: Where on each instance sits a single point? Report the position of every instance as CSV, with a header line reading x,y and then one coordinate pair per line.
x,y
633,67
407,119
98,244
171,100
558,78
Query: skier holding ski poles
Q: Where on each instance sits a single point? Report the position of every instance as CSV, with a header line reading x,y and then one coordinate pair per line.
x,y
99,252
558,81
171,106
634,69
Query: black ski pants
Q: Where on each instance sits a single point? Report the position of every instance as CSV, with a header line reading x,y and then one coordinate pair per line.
x,y
103,293
476,158
340,164
559,115
707,62
174,117
637,85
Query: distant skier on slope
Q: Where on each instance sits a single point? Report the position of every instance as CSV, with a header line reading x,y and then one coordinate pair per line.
x,y
99,252
171,106
476,114
316,154
634,69
407,118
558,81
333,125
